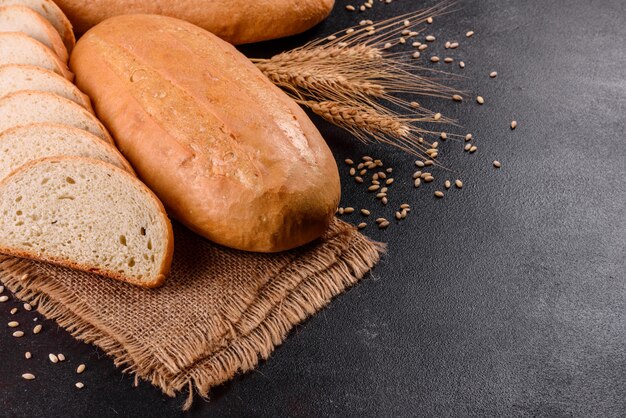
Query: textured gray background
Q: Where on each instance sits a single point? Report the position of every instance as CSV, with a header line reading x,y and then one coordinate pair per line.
x,y
508,298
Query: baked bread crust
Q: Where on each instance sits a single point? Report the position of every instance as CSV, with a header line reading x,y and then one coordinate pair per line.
x,y
236,21
228,153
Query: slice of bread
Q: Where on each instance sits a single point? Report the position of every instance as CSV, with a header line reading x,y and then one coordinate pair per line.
x,y
26,107
17,48
53,14
87,215
14,78
24,20
41,140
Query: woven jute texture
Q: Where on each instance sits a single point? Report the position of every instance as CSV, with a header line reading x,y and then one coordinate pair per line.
x,y
219,312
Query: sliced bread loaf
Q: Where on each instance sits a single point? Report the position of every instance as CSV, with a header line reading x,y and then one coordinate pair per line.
x,y
26,107
53,14
88,215
14,78
17,48
24,20
40,140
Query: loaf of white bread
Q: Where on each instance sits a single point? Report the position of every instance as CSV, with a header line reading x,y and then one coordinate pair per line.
x,y
228,153
67,195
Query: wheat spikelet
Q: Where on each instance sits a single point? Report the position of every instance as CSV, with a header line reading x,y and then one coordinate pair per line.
x,y
353,81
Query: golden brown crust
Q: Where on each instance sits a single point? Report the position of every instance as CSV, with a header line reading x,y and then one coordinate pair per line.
x,y
168,236
236,21
229,154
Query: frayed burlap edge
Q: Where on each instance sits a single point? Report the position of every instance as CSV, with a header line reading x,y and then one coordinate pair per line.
x,y
242,353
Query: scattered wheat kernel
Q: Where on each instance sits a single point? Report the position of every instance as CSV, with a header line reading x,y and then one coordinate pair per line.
x,y
480,99
405,206
461,64
468,137
458,184
53,358
439,194
497,164
454,45
413,33
434,59
431,151
384,200
389,181
435,144
384,190
37,329
470,34
28,376
426,174
24,277
416,54
473,149
348,210
80,385
493,74
370,28
467,147
375,176
350,8
363,172
422,47
379,220
429,162
362,8
349,161
349,31
403,214
13,311
398,215
363,22
447,184
28,307
80,368
415,105
417,174
382,174
387,45
358,179
417,182
361,225
443,136
406,23
61,357
360,166
420,164
352,171
429,20
373,188
368,5
14,324
331,38
340,211
429,179
430,38
457,98
416,44
513,124
4,298
402,40
406,32
367,158
18,334
27,355
365,212
383,225
375,182
448,60
420,140
447,45
389,170
381,195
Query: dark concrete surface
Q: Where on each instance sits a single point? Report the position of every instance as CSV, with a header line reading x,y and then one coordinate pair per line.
x,y
507,298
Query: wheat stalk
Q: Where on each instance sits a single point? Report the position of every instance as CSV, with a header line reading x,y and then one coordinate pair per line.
x,y
353,81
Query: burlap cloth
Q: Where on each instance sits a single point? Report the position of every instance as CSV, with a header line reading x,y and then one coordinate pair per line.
x,y
219,312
